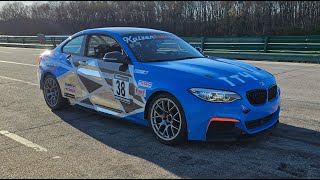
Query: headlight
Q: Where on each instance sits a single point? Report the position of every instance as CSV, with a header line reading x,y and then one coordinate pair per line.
x,y
215,95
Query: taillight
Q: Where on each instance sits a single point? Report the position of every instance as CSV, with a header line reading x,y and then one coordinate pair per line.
x,y
39,60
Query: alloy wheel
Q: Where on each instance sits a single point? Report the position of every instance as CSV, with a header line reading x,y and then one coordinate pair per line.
x,y
166,119
51,92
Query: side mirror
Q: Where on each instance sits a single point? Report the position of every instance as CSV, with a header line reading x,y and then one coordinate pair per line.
x,y
199,49
116,57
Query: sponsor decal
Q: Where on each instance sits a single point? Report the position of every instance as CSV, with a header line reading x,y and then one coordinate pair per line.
x,y
69,95
237,77
163,36
70,88
120,86
262,83
145,84
131,39
246,75
52,67
123,78
51,63
226,80
140,92
140,71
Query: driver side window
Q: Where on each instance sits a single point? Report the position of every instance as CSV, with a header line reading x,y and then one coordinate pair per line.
x,y
99,45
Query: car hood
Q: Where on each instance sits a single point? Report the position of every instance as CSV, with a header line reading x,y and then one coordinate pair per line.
x,y
216,68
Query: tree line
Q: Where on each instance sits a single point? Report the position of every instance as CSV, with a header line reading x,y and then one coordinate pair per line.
x,y
184,18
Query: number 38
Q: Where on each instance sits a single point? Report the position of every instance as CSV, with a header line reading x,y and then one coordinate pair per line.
x,y
121,88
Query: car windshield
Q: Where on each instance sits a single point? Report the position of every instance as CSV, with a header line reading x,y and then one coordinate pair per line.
x,y
157,47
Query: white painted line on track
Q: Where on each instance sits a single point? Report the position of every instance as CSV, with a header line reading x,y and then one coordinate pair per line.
x,y
23,141
10,62
18,80
5,52
8,47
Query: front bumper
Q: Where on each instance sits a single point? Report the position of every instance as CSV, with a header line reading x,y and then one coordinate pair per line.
x,y
258,119
226,131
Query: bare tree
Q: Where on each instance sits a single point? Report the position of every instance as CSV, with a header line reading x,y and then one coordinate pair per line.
x,y
185,18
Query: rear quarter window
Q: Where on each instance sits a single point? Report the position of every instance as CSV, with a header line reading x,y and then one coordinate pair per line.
x,y
73,46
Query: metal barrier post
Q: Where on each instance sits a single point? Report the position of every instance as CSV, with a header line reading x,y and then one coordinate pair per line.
x,y
266,44
202,43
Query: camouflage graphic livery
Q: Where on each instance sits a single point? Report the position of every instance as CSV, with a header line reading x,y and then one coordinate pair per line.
x,y
132,72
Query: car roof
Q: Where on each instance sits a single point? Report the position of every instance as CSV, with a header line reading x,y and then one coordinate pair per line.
x,y
122,30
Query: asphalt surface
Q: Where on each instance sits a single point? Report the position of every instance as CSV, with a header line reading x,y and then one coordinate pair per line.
x,y
80,144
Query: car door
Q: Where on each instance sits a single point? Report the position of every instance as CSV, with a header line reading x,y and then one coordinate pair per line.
x,y
72,53
110,86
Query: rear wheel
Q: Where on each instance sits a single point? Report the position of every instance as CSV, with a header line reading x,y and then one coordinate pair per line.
x,y
167,119
52,93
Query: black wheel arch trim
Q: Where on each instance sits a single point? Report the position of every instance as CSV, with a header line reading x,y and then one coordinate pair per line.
x,y
42,78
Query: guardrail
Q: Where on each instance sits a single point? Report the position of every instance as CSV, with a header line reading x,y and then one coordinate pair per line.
x,y
263,44
287,48
40,41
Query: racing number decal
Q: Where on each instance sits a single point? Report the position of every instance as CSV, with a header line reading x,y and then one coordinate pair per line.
x,y
121,90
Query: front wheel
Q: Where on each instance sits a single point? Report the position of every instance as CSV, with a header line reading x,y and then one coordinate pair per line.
x,y
52,93
167,119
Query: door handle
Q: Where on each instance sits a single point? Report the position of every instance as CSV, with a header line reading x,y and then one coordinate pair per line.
x,y
68,57
83,62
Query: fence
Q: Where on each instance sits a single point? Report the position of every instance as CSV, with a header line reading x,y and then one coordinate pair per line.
x,y
287,48
31,41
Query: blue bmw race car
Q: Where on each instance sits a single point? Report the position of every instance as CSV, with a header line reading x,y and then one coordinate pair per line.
x,y
157,79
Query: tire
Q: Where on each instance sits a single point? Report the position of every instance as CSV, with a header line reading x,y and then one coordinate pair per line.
x,y
52,93
170,125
